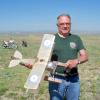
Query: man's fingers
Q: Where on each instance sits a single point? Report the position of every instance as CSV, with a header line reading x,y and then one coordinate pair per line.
x,y
67,64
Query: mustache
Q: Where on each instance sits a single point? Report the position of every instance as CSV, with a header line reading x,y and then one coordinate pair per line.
x,y
66,28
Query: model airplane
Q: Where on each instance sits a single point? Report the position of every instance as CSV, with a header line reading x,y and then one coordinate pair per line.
x,y
39,64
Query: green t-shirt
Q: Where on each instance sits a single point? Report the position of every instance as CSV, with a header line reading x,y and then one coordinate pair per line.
x,y
67,48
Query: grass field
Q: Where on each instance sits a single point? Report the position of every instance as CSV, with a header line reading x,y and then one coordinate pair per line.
x,y
12,79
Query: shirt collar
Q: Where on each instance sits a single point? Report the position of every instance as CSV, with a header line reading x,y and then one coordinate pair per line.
x,y
61,35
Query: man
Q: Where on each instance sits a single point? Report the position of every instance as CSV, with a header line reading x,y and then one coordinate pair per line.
x,y
68,49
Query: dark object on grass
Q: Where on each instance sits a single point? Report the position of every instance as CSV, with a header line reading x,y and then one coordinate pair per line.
x,y
24,43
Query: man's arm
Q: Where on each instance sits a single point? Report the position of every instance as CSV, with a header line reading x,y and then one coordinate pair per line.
x,y
28,63
83,57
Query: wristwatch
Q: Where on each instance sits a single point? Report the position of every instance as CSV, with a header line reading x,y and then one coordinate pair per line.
x,y
79,61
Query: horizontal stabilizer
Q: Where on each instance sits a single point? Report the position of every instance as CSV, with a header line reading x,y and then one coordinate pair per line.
x,y
13,63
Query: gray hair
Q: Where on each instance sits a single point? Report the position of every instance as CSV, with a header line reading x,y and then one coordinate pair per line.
x,y
67,15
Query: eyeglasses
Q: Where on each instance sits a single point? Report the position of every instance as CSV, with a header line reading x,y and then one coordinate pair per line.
x,y
62,24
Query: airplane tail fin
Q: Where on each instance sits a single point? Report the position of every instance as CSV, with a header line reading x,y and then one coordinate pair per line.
x,y
17,55
16,58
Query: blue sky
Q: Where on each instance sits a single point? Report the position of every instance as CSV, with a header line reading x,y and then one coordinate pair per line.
x,y
40,15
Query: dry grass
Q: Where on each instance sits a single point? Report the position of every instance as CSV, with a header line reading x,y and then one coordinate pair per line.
x,y
12,80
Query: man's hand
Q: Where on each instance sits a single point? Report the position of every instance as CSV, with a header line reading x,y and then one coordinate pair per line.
x,y
72,63
27,65
83,57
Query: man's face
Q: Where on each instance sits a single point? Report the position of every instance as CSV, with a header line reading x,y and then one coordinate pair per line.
x,y
64,25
